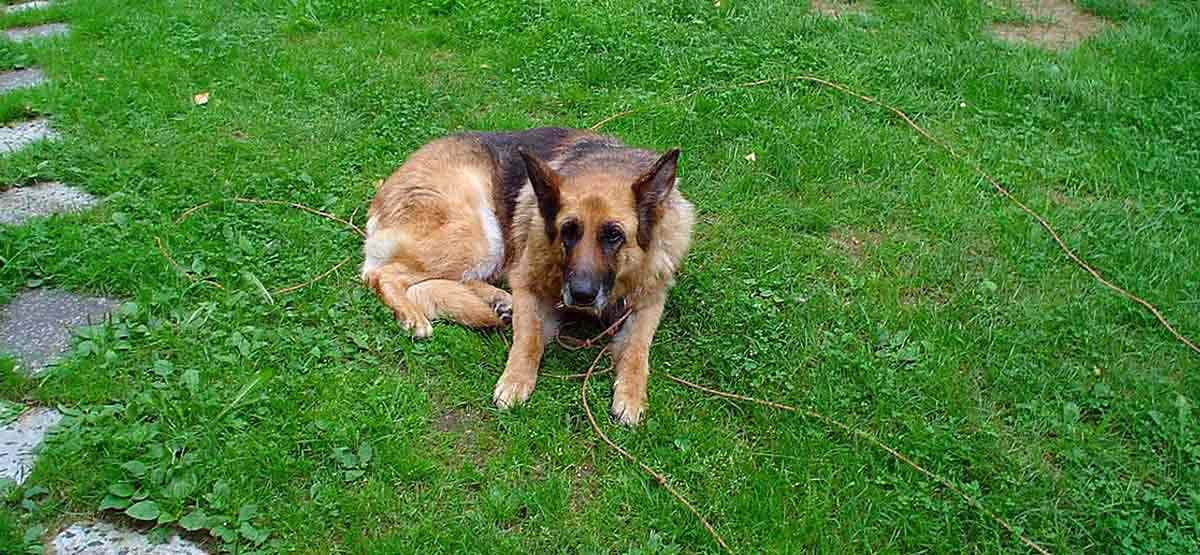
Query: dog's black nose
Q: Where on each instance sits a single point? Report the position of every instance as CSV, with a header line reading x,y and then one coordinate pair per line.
x,y
583,292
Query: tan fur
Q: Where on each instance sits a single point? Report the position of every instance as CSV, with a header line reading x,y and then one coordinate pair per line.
x,y
424,225
429,234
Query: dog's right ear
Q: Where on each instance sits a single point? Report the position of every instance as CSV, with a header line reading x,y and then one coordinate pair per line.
x,y
545,184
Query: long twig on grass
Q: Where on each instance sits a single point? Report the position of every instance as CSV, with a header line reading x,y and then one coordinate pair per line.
x,y
662,480
1062,245
323,275
186,213
283,290
701,90
578,376
572,343
973,502
166,254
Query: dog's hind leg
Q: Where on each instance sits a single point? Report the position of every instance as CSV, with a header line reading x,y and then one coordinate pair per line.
x,y
474,304
393,282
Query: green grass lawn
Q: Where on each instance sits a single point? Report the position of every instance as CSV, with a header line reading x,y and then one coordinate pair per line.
x,y
851,268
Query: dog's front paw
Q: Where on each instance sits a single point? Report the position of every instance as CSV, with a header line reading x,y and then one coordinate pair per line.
x,y
512,389
413,321
628,404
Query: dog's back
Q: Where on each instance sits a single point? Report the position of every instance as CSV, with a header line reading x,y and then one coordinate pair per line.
x,y
463,190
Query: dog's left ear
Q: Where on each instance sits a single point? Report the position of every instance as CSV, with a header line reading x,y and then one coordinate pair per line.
x,y
650,190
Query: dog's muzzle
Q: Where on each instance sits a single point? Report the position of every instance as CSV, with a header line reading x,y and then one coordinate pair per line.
x,y
584,293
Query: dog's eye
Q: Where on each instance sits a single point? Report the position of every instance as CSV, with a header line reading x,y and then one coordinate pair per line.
x,y
612,235
570,232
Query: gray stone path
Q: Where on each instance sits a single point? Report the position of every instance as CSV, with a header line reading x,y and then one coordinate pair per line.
x,y
19,439
37,325
15,136
21,78
22,34
25,6
19,204
102,538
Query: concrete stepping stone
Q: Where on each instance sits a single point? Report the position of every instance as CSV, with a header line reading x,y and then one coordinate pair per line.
x,y
38,324
21,79
19,440
15,136
102,538
22,34
42,199
26,6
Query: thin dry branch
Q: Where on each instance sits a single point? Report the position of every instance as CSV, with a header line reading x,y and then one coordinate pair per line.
x,y
572,343
873,441
187,213
284,290
323,275
662,480
1062,245
162,249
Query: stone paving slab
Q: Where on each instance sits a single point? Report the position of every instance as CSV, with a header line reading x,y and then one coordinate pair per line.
x,y
22,34
26,6
102,538
21,79
37,325
15,136
42,199
19,439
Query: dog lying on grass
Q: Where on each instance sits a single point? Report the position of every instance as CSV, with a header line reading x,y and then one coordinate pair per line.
x,y
573,220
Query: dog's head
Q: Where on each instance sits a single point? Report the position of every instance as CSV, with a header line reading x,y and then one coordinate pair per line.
x,y
601,221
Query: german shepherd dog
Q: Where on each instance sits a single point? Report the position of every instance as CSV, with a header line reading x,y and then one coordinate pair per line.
x,y
575,221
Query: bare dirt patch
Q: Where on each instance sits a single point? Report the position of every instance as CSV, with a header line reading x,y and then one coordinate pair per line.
x,y
1082,199
469,437
444,71
854,243
1059,25
1058,198
923,295
584,487
456,420
838,8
